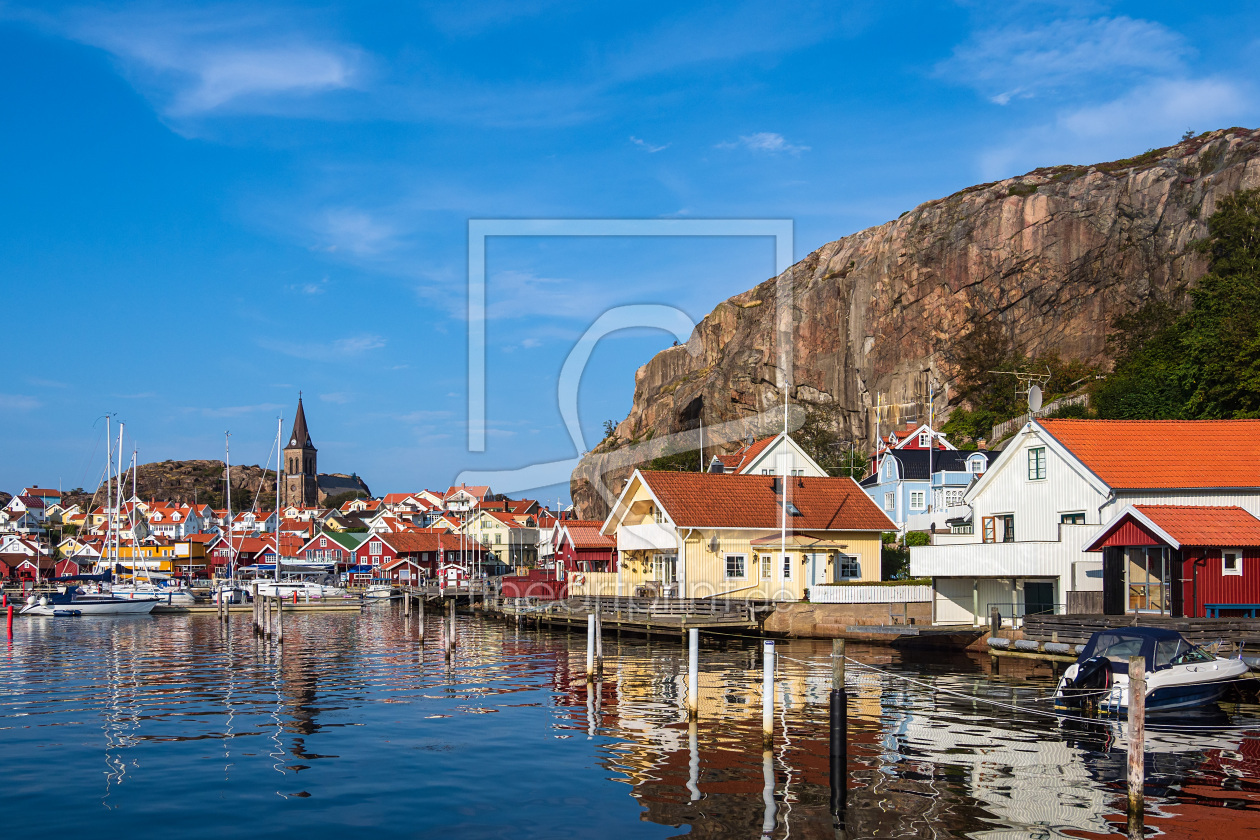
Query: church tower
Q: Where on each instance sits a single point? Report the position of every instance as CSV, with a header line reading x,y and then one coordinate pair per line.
x,y
301,487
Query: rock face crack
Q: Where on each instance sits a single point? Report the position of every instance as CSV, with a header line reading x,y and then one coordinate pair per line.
x,y
874,312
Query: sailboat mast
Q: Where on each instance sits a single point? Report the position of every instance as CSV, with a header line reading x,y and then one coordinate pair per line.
x,y
109,489
279,453
118,477
227,464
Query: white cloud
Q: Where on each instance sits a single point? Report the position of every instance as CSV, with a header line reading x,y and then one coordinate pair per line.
x,y
766,142
338,397
236,410
1149,116
1018,62
18,402
198,61
646,146
355,231
529,343
351,346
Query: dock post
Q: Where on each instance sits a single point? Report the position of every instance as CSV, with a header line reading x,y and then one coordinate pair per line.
x,y
279,620
995,621
767,693
693,674
599,644
10,622
839,735
406,603
420,614
769,815
590,647
1137,744
256,606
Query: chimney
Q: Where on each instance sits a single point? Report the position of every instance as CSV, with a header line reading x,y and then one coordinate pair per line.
x,y
982,444
777,485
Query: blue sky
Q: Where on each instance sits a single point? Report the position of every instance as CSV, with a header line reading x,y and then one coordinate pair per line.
x,y
207,207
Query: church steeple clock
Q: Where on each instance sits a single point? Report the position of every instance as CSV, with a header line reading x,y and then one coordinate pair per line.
x,y
301,485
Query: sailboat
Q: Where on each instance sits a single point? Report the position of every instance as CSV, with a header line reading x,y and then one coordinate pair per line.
x,y
163,588
71,600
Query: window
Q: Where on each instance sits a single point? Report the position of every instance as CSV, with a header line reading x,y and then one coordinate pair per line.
x,y
975,465
953,497
735,566
792,509
1036,463
374,547
1148,572
847,567
658,516
1071,519
787,567
322,542
766,472
988,532
1231,561
890,501
1008,527
765,567
925,440
498,538
916,500
798,472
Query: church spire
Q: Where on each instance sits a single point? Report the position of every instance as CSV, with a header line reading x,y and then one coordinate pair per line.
x,y
300,436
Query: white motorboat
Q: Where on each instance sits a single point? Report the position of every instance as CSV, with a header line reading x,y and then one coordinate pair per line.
x,y
304,589
73,603
1179,675
379,592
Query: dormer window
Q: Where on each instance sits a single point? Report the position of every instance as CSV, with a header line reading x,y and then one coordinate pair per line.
x,y
925,439
792,509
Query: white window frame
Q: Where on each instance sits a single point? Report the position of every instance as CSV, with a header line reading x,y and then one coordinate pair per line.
x,y
890,500
975,465
856,563
925,439
787,566
1225,554
918,500
1037,463
742,560
766,563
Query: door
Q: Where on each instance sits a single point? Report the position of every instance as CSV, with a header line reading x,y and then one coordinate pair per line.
x,y
816,573
1039,598
665,568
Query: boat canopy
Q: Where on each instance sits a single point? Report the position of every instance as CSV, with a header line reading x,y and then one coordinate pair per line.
x,y
1161,648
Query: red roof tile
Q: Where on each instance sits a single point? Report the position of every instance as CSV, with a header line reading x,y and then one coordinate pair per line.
x,y
705,500
1164,453
588,536
1202,525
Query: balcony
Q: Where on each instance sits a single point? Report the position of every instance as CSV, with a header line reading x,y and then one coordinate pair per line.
x,y
647,536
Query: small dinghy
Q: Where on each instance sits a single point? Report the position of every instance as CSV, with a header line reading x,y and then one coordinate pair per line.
x,y
1179,675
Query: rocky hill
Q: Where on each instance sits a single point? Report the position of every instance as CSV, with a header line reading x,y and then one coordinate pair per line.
x,y
1054,256
195,481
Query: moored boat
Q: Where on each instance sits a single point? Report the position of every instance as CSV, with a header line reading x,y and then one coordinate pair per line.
x,y
1179,675
304,589
73,602
379,592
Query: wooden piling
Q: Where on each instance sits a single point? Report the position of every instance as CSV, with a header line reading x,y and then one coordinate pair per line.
x,y
839,753
590,647
767,693
450,613
693,674
279,620
420,615
1137,744
599,644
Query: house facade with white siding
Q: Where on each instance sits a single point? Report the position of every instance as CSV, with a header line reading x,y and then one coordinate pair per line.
x,y
1019,543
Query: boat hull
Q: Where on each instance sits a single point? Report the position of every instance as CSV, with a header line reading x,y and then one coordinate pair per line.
x,y
122,606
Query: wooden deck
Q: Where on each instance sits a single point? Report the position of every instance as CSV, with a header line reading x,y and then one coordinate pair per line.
x,y
669,617
338,605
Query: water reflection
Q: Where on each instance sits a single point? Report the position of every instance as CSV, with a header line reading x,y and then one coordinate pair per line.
x,y
358,722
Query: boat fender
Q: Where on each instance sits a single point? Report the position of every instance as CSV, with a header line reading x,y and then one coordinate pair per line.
x,y
998,642
1057,647
1026,644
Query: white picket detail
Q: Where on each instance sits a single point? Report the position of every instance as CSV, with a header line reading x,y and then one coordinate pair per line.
x,y
870,594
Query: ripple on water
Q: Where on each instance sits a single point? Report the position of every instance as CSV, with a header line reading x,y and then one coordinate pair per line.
x,y
122,725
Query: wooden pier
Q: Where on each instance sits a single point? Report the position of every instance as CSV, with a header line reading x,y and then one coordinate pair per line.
x,y
288,606
661,617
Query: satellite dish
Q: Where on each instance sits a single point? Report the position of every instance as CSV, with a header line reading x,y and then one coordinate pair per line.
x,y
1034,398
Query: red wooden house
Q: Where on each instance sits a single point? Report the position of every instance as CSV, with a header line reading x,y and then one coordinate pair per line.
x,y
580,547
1189,561
424,555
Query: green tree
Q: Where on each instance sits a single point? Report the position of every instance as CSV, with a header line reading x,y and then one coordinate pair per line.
x,y
1204,364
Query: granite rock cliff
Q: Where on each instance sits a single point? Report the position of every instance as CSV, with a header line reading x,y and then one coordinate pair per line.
x,y
1053,255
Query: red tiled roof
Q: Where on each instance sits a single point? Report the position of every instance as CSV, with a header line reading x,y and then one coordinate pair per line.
x,y
1164,453
705,500
428,540
736,462
1201,525
588,536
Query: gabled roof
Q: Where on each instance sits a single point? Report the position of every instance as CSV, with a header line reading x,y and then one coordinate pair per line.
x,y
476,491
737,461
1226,526
704,500
587,535
914,463
1164,454
343,539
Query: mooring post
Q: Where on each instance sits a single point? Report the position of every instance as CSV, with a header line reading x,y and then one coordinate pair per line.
x,y
839,736
590,647
1137,744
767,693
599,644
420,613
693,674
769,816
995,621
450,619
10,622
279,619
254,589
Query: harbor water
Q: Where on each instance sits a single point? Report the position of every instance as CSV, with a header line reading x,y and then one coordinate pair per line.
x,y
125,727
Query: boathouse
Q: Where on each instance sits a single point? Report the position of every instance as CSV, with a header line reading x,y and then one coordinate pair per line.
x,y
1191,561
